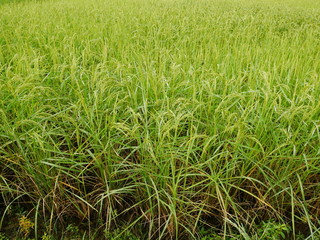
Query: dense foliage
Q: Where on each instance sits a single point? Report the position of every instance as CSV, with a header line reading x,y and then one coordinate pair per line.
x,y
160,119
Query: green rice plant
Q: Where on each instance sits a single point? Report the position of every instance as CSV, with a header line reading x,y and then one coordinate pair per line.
x,y
154,119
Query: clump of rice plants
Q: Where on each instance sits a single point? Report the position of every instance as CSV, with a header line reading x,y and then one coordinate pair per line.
x,y
156,119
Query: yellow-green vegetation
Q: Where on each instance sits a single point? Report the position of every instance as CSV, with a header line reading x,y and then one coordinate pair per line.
x,y
160,119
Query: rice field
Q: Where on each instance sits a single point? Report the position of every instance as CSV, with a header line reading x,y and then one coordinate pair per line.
x,y
168,119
